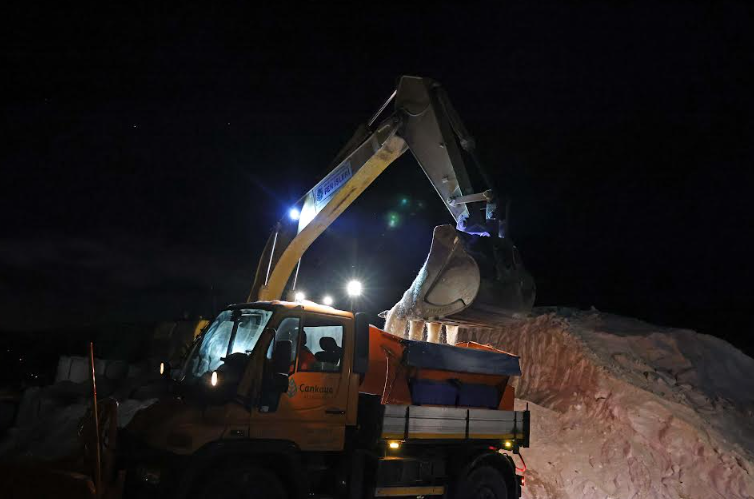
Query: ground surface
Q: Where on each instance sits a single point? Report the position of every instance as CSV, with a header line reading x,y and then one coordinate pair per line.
x,y
624,409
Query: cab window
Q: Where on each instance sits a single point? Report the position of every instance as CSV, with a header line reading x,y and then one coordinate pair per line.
x,y
321,345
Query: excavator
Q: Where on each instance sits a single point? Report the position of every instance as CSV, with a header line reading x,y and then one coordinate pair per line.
x,y
284,399
474,274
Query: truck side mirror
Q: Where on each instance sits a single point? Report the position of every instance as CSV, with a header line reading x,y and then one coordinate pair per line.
x,y
281,356
281,359
275,380
361,344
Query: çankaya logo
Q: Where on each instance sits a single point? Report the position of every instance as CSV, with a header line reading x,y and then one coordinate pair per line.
x,y
315,389
293,389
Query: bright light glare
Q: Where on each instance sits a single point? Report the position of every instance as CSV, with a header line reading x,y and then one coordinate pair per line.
x,y
353,288
162,368
299,296
294,213
213,379
327,300
508,444
308,212
394,445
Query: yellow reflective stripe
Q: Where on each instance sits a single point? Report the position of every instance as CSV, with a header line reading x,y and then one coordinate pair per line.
x,y
408,491
478,436
393,436
492,436
457,436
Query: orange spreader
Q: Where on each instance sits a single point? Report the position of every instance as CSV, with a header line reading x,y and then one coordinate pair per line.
x,y
390,374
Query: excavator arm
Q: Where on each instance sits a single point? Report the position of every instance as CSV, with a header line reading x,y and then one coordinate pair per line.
x,y
461,260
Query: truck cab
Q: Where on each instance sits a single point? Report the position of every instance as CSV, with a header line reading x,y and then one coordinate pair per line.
x,y
270,403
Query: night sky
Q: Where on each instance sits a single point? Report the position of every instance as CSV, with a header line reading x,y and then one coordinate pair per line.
x,y
147,152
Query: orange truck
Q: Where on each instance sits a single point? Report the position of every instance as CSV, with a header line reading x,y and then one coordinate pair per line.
x,y
296,400
283,399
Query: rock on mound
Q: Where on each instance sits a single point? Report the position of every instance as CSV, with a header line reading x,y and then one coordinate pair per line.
x,y
624,409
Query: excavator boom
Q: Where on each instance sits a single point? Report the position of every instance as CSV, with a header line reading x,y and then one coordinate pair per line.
x,y
473,274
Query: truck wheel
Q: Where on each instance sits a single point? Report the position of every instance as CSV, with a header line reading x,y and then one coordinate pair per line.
x,y
243,482
484,482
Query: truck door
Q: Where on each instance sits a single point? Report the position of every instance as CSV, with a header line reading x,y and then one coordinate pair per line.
x,y
312,413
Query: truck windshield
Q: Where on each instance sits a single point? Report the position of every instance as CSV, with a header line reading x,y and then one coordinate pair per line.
x,y
233,332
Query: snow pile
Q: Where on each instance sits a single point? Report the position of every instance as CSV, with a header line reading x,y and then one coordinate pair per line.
x,y
52,432
48,418
624,409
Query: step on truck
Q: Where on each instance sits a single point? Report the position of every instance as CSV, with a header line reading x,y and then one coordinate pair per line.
x,y
294,400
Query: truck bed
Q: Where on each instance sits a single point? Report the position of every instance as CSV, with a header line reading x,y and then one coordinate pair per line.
x,y
412,422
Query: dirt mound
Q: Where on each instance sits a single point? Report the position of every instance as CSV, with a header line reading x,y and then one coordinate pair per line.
x,y
624,409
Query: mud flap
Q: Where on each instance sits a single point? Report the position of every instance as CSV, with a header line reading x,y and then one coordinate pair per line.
x,y
470,280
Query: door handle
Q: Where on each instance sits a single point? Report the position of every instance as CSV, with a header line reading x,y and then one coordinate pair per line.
x,y
334,410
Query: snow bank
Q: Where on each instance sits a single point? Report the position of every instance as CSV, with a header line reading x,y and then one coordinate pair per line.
x,y
624,409
52,434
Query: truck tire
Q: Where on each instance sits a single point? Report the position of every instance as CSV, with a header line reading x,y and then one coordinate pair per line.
x,y
484,482
243,482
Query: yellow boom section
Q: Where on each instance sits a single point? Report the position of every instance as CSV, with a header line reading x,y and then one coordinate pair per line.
x,y
280,268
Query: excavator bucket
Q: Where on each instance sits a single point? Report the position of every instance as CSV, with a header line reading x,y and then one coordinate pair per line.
x,y
470,280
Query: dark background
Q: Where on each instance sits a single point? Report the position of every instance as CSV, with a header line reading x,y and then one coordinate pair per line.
x,y
147,152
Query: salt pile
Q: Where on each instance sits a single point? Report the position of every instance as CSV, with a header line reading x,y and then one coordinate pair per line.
x,y
624,409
